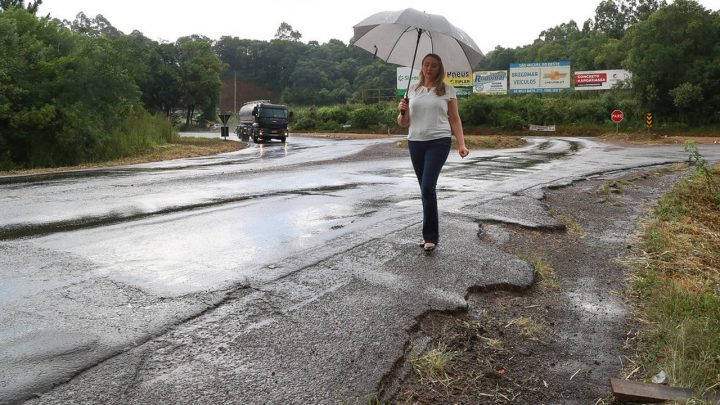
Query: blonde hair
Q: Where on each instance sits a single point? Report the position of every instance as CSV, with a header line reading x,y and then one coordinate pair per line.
x,y
439,82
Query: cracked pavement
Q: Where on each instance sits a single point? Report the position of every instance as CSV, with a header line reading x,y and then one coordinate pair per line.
x,y
160,306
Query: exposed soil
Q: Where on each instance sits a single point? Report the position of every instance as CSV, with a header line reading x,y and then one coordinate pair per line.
x,y
180,149
651,138
564,338
472,141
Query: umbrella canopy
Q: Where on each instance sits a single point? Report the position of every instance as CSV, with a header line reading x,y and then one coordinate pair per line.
x,y
398,36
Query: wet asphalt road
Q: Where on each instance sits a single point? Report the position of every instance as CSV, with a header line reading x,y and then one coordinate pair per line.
x,y
266,274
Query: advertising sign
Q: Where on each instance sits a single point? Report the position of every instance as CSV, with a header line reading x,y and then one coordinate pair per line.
x,y
459,79
462,81
542,128
600,79
543,77
490,82
463,91
403,75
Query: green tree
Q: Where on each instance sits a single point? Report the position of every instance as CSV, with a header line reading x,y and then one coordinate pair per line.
x,y
614,17
499,58
200,70
94,27
609,20
32,6
244,57
61,93
677,44
285,32
610,54
687,97
375,75
154,68
635,11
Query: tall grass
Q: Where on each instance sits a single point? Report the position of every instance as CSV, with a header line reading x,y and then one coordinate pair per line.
x,y
135,134
678,285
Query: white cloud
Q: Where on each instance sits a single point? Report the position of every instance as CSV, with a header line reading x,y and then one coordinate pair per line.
x,y
507,23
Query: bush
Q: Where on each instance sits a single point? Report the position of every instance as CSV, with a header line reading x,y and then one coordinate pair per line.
x,y
364,117
338,113
475,110
509,112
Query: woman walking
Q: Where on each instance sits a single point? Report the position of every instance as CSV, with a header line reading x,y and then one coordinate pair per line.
x,y
431,113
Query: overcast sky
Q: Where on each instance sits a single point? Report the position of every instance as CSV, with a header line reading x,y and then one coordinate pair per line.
x,y
508,23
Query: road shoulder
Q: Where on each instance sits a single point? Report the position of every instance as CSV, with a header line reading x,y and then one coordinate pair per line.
x,y
563,338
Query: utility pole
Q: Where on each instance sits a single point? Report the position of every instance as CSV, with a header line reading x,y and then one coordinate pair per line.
x,y
235,92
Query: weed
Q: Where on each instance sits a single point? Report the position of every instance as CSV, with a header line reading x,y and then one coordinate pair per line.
x,y
701,165
495,344
430,367
544,272
572,225
675,167
530,328
375,401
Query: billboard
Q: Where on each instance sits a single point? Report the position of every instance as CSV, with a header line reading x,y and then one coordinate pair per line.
x,y
459,80
490,82
600,79
403,75
542,77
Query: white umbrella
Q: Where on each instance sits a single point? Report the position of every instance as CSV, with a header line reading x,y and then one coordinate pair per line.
x,y
399,36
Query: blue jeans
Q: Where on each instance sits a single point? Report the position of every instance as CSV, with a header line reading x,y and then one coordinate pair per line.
x,y
428,158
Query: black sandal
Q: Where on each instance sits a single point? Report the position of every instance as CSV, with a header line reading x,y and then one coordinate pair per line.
x,y
429,247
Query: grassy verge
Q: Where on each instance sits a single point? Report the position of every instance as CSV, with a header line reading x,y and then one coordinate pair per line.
x,y
677,285
484,142
184,147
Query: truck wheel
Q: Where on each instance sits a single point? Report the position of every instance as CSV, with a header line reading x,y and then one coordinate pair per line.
x,y
255,138
282,139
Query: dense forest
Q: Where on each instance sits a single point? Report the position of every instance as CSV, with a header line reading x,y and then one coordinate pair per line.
x,y
76,91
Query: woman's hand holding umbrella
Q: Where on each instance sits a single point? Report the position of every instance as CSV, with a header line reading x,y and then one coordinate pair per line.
x,y
404,118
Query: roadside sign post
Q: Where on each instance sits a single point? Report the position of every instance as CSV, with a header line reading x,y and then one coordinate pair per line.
x,y
617,116
649,120
224,130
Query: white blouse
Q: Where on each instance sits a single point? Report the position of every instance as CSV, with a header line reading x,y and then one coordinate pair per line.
x,y
429,113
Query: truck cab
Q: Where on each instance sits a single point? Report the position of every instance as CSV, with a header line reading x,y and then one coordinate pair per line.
x,y
262,121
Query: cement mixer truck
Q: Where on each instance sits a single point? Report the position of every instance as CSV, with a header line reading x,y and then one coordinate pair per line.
x,y
261,120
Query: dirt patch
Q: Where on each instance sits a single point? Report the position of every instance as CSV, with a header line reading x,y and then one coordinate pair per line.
x,y
651,138
472,141
558,342
344,135
181,149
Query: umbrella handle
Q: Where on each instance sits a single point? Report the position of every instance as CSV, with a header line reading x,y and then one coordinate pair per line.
x,y
412,66
408,101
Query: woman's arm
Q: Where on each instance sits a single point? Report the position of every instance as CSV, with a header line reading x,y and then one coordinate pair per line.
x,y
403,119
456,126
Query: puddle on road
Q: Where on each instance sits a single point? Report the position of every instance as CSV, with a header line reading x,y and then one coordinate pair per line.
x,y
16,231
501,167
46,179
261,152
544,145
